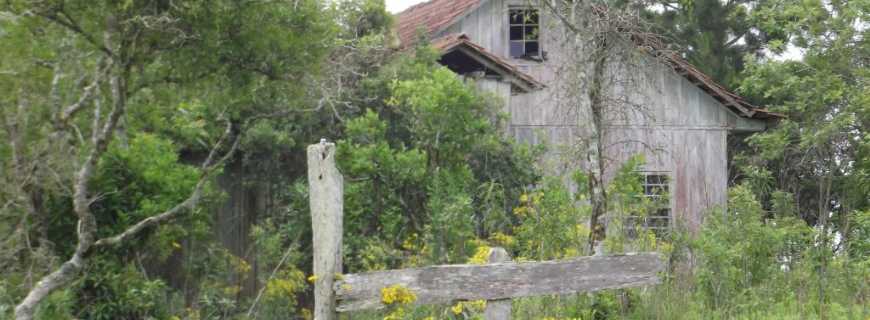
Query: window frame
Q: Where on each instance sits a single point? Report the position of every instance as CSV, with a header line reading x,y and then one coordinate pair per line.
x,y
523,25
662,183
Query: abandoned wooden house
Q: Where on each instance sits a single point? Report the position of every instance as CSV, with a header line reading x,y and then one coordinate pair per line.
x,y
517,51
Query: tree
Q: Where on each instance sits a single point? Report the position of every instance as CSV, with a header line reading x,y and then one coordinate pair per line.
x,y
427,168
714,35
598,47
90,66
815,158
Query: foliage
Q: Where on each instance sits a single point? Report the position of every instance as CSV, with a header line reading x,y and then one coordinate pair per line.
x,y
176,74
753,267
550,226
816,159
417,181
715,35
430,177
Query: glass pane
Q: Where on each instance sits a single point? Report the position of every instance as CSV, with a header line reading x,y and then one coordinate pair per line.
x,y
531,33
532,17
516,16
516,48
532,48
658,223
665,213
516,33
655,189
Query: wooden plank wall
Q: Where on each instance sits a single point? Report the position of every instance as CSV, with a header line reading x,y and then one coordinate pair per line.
x,y
682,132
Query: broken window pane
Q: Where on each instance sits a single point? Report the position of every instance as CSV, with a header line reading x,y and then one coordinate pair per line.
x,y
524,33
517,16
531,33
531,17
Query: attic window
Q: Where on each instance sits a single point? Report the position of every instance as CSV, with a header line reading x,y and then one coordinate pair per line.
x,y
524,33
658,216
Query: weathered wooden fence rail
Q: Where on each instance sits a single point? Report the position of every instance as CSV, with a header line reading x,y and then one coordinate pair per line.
x,y
446,283
496,282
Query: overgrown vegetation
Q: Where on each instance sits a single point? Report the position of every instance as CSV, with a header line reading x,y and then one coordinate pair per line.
x,y
430,177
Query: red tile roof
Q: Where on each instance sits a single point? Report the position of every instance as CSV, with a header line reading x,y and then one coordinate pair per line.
x,y
432,16
453,41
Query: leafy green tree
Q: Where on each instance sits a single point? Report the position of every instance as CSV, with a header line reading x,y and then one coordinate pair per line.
x,y
428,171
817,152
86,79
714,35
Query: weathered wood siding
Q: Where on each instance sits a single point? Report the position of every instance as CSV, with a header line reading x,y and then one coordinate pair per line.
x,y
682,131
500,89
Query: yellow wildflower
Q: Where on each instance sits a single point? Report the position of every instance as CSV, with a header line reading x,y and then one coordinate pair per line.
x,y
536,197
279,287
397,314
481,256
457,309
476,304
502,239
409,243
397,294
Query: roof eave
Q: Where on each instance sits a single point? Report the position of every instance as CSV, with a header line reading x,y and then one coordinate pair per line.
x,y
454,42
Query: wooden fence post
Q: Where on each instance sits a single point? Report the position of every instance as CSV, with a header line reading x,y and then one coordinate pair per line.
x,y
325,195
498,309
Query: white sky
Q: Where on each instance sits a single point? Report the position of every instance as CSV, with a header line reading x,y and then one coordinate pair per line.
x,y
396,6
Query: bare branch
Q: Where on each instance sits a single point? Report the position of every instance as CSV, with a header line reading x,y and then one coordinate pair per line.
x,y
89,92
271,276
54,94
62,18
98,109
170,214
555,11
60,277
87,224
228,130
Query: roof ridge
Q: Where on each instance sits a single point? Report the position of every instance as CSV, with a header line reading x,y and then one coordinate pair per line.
x,y
413,7
435,16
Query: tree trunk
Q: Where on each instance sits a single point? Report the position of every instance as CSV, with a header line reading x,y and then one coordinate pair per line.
x,y
87,224
595,154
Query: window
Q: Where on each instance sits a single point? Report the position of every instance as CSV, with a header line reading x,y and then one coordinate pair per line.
x,y
524,33
658,216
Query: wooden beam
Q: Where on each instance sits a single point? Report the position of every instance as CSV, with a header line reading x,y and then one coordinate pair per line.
x,y
506,73
325,199
447,283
